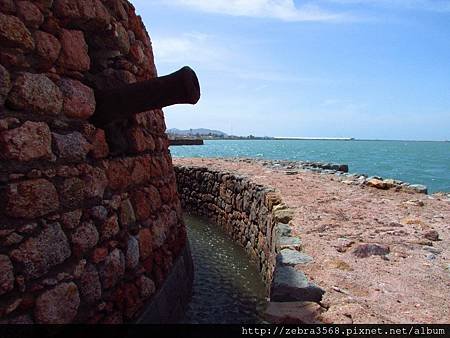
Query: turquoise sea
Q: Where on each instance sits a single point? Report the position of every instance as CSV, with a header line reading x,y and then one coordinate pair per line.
x,y
411,161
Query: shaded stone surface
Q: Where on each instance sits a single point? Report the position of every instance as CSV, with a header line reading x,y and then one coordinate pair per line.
x,y
6,275
13,33
112,270
85,237
89,284
30,199
290,285
38,255
58,305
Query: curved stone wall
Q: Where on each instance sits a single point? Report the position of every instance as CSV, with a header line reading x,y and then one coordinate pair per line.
x,y
90,220
256,218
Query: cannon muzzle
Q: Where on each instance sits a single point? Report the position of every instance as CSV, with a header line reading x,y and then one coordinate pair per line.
x,y
120,103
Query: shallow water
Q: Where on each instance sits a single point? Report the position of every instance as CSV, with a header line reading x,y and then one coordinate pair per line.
x,y
414,162
227,287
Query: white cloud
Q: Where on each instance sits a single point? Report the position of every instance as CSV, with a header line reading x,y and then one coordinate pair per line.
x,y
427,5
189,48
285,10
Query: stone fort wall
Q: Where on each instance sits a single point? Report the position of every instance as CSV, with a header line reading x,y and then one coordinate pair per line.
x,y
90,220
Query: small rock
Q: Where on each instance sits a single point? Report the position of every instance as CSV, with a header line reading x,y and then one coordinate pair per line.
x,y
286,242
432,235
293,257
343,244
416,203
418,188
377,183
291,285
433,250
370,249
284,215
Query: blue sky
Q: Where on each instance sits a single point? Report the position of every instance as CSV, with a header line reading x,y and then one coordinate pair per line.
x,y
377,69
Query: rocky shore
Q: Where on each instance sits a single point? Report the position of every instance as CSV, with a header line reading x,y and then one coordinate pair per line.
x,y
378,247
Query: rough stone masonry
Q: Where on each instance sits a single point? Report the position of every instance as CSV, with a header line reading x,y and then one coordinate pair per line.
x,y
88,231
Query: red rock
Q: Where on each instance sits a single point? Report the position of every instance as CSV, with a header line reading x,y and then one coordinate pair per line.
x,y
100,148
79,100
90,287
58,305
13,58
70,220
95,183
47,48
29,142
30,14
71,147
35,93
7,6
85,14
6,275
71,192
141,205
5,85
112,269
145,243
141,170
136,53
99,255
38,254
118,175
31,199
44,5
13,33
84,238
117,9
74,51
140,140
110,228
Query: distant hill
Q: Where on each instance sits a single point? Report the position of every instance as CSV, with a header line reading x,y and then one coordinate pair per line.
x,y
196,132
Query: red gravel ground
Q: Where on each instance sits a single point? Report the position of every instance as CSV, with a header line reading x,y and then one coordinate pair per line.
x,y
409,285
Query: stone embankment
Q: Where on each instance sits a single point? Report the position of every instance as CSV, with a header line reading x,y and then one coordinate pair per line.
x,y
341,171
381,255
255,217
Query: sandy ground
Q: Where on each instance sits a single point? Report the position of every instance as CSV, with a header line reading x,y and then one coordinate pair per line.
x,y
411,284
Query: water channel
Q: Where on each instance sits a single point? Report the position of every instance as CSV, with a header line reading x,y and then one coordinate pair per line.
x,y
228,288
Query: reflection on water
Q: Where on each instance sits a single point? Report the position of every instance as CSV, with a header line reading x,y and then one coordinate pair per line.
x,y
227,286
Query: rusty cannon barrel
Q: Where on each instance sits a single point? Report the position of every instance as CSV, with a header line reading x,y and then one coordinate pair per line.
x,y
119,103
